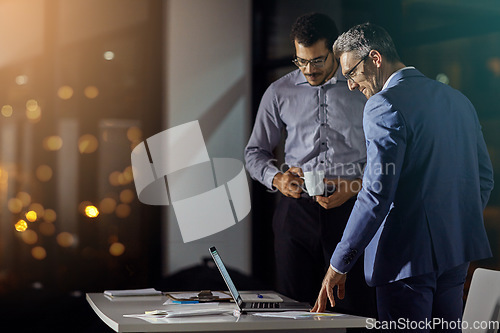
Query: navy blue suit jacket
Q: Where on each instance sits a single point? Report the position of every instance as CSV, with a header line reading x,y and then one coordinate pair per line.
x,y
427,180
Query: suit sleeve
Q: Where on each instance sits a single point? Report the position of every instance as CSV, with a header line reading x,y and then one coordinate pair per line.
x,y
485,169
266,134
385,133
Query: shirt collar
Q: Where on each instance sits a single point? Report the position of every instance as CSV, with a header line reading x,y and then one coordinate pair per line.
x,y
394,74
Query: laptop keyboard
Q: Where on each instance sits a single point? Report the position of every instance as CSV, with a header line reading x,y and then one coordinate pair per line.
x,y
264,305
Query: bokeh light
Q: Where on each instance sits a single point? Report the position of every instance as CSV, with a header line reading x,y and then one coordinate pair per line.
x,y
44,173
38,208
87,144
65,239
91,92
15,205
50,215
21,80
25,198
52,143
33,110
29,237
114,178
83,205
31,105
109,55
65,92
107,205
91,211
21,226
38,253
128,175
31,216
134,134
117,249
494,65
127,196
123,210
7,111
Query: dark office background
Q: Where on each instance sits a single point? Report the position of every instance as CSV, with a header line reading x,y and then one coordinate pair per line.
x,y
454,41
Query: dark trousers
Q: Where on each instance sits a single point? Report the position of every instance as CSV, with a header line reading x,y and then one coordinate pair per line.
x,y
426,303
305,236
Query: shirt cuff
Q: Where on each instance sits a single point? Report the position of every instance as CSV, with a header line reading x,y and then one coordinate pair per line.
x,y
336,270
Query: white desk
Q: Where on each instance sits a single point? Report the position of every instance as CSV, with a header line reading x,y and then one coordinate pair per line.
x,y
112,311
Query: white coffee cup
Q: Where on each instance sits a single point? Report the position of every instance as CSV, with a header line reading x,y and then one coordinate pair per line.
x,y
314,182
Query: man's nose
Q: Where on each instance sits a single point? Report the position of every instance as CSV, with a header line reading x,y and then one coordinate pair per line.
x,y
352,85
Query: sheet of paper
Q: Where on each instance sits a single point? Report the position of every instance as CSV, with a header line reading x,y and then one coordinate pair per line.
x,y
296,314
132,292
183,313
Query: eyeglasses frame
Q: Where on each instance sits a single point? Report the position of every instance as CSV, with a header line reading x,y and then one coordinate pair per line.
x,y
314,62
348,75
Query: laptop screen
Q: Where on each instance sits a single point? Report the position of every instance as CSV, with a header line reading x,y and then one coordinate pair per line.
x,y
225,275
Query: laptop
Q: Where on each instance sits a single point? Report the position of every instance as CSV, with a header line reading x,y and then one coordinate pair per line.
x,y
254,306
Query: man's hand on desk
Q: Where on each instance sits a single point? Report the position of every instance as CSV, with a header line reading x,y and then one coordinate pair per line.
x,y
345,190
289,183
330,280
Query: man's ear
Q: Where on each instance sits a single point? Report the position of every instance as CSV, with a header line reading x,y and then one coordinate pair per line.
x,y
376,57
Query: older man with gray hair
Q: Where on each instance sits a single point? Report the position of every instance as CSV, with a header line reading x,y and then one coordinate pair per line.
x,y
422,223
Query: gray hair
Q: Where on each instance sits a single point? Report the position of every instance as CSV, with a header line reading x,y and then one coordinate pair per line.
x,y
363,38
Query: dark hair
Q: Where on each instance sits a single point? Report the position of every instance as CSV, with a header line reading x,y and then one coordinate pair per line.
x,y
363,38
309,28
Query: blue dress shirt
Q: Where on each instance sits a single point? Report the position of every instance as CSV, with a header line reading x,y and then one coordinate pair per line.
x,y
323,125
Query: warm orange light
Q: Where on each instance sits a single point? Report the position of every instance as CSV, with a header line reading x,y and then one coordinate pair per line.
x,y
35,114
114,178
117,249
50,215
65,239
128,175
127,196
107,205
25,198
38,208
87,144
21,226
30,237
31,105
91,92
52,143
43,173
38,253
65,92
91,211
15,205
123,211
134,134
7,111
31,216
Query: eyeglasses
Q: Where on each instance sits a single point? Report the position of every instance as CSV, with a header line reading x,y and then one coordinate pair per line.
x,y
348,76
317,63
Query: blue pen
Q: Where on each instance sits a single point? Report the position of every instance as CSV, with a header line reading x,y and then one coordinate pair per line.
x,y
185,302
260,296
